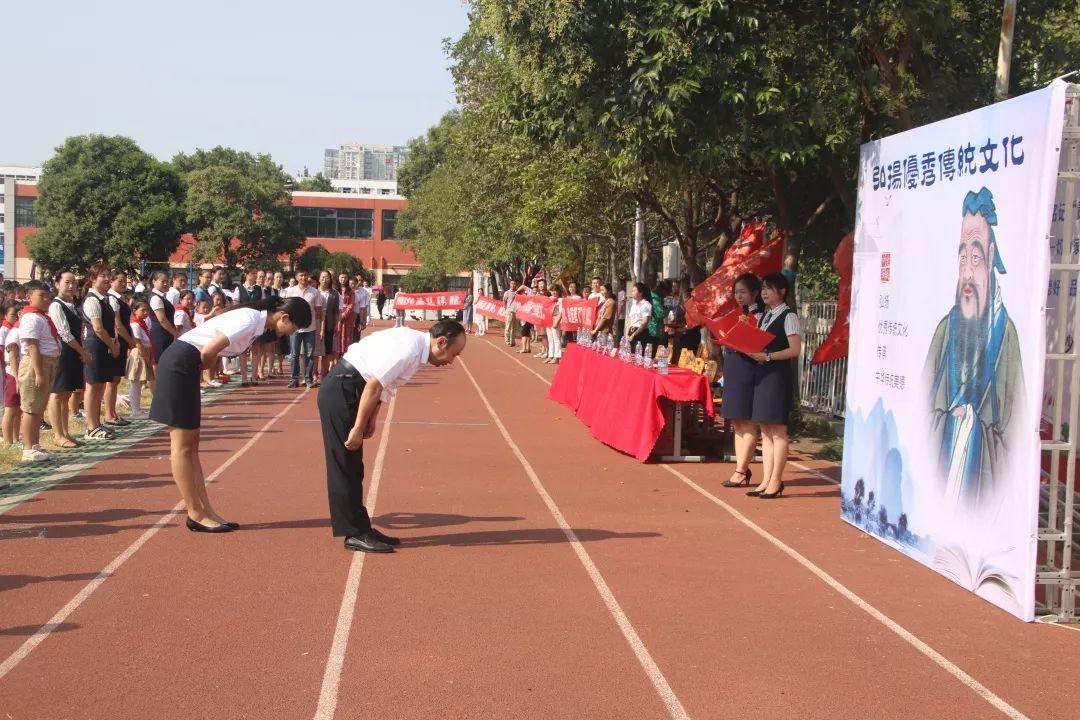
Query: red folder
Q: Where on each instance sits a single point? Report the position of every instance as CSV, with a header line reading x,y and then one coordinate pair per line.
x,y
739,332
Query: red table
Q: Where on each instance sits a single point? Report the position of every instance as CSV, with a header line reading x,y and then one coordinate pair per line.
x,y
620,402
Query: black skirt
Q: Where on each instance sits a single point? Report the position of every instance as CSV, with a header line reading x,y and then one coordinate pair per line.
x,y
69,372
774,392
177,402
328,342
102,364
161,339
738,401
119,363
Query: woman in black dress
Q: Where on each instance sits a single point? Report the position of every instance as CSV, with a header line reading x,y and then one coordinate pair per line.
x,y
100,322
69,372
774,382
738,404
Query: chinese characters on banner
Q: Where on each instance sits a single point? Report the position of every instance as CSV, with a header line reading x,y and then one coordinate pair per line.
x,y
491,308
947,343
453,300
578,314
536,309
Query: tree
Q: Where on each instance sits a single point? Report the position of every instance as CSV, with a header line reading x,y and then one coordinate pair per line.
x,y
103,198
238,207
316,183
343,262
425,278
314,259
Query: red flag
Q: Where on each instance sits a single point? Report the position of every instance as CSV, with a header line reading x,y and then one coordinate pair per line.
x,y
489,307
578,314
536,309
751,253
835,345
454,300
739,332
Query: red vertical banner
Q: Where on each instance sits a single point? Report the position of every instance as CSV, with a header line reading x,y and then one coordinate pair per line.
x,y
836,344
753,252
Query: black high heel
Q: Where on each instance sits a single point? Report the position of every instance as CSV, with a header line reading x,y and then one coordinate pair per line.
x,y
772,496
753,493
199,527
747,474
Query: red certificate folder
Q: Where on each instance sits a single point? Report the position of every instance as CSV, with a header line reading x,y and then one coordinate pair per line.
x,y
739,332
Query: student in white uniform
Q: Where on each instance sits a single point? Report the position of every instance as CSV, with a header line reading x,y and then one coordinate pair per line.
x,y
368,374
40,354
176,398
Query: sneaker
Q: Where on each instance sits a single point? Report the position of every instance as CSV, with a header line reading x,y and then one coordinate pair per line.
x,y
213,384
141,415
45,425
35,454
100,433
79,415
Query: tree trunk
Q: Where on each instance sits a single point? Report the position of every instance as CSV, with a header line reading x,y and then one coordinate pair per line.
x,y
793,239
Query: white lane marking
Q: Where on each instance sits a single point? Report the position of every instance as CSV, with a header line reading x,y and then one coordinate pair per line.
x,y
909,637
1063,626
660,683
829,580
65,612
812,471
328,694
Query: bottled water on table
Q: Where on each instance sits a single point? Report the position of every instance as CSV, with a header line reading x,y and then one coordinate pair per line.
x,y
638,354
646,361
624,349
612,348
662,360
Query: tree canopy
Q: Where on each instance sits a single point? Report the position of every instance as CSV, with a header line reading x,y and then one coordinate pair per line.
x,y
103,198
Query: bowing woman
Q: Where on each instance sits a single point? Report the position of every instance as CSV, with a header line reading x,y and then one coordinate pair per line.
x,y
177,403
738,405
774,383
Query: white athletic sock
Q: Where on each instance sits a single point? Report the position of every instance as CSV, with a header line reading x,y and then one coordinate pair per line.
x,y
135,397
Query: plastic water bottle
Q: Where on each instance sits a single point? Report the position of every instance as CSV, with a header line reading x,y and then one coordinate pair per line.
x,y
646,361
661,360
613,348
638,358
583,339
624,348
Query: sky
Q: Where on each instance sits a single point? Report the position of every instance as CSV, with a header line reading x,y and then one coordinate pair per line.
x,y
287,78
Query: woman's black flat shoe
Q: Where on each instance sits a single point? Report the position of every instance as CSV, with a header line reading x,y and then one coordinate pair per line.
x,y
745,481
198,527
772,496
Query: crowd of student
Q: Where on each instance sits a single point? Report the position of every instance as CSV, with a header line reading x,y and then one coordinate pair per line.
x,y
67,342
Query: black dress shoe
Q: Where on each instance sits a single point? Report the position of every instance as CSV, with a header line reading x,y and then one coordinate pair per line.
x,y
367,543
388,539
293,384
198,527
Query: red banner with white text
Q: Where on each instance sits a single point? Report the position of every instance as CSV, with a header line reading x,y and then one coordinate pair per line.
x,y
536,309
491,308
453,300
578,314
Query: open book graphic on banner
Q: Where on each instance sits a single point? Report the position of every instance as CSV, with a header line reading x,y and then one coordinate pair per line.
x,y
976,574
739,332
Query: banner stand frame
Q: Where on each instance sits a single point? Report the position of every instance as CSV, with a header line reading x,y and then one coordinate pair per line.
x,y
1057,532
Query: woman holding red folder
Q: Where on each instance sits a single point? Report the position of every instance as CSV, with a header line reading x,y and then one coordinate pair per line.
x,y
738,404
774,382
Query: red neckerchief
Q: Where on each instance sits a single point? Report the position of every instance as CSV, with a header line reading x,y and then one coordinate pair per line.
x,y
8,324
34,310
142,323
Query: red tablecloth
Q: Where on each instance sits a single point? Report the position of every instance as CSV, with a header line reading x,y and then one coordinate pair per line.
x,y
620,402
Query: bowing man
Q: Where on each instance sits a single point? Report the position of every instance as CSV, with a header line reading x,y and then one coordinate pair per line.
x,y
367,375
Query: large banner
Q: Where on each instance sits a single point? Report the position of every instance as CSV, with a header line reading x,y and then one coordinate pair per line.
x,y
947,346
453,300
578,314
536,309
491,308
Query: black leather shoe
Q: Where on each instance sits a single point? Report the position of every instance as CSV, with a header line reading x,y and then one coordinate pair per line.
x,y
293,384
367,543
198,527
383,537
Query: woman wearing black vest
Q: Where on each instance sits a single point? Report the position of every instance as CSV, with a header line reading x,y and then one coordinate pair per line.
x,y
162,313
739,369
774,382
69,373
123,337
103,347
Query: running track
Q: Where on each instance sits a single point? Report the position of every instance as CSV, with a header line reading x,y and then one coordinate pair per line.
x,y
542,576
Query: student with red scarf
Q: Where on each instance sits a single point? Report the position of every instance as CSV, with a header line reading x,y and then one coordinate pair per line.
x,y
140,363
40,354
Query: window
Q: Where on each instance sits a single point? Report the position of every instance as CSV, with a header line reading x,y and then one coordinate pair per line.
x,y
389,223
24,212
336,222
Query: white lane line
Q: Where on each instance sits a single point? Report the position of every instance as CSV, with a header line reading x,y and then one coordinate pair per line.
x,y
940,660
660,683
1063,626
832,582
328,694
65,612
812,471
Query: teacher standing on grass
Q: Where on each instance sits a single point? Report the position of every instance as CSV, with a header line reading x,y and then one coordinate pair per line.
x,y
176,398
368,374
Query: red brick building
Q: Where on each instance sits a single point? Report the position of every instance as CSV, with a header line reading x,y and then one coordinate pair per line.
x,y
362,225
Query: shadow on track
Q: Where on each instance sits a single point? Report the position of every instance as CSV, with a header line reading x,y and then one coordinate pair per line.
x,y
409,521
530,536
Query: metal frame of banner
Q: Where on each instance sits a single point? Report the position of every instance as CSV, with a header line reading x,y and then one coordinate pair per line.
x,y
1058,522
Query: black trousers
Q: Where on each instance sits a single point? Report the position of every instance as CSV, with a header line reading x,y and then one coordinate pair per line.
x,y
339,400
